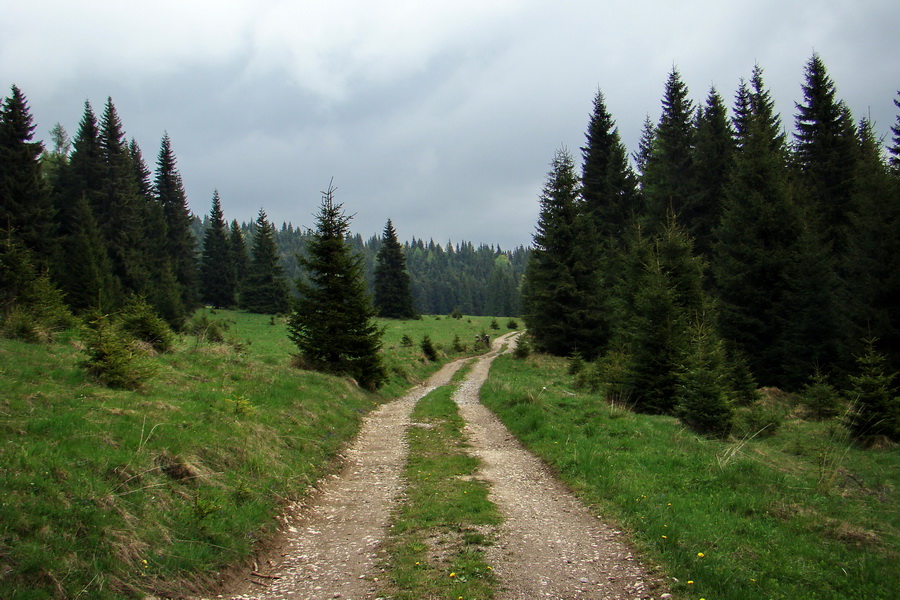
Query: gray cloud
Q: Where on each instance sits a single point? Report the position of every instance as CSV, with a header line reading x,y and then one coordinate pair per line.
x,y
440,116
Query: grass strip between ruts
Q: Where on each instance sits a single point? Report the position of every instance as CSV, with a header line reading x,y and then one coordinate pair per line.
x,y
439,531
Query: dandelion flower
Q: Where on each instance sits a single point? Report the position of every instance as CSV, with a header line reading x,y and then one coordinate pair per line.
x,y
690,582
452,574
665,537
700,555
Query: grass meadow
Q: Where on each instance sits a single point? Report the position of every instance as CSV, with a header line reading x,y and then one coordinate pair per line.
x,y
802,513
116,494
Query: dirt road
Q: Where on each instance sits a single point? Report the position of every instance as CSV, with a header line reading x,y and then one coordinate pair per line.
x,y
549,546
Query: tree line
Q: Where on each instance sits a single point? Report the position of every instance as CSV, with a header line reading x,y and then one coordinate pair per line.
x,y
104,227
730,255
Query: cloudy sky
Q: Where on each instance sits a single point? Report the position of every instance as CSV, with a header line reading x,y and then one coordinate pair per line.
x,y
442,116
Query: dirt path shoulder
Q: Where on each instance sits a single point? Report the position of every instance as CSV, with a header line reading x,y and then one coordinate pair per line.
x,y
549,545
332,540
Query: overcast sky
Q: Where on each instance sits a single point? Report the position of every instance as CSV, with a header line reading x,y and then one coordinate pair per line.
x,y
442,116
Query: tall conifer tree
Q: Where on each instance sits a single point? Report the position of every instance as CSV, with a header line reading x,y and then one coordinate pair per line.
x,y
825,153
25,206
393,294
240,259
216,268
557,311
332,324
713,161
669,179
265,289
181,246
119,211
757,235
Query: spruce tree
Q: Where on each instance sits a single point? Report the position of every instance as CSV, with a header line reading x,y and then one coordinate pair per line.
x,y
181,246
393,294
874,395
119,211
265,289
825,153
713,161
216,268
894,149
84,272
757,237
608,185
703,389
25,206
332,324
554,292
669,179
238,256
872,261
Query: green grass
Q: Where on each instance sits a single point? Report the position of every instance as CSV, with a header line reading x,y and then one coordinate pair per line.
x,y
801,514
114,494
438,534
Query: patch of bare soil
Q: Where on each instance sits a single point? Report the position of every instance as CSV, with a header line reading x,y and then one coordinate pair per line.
x,y
549,546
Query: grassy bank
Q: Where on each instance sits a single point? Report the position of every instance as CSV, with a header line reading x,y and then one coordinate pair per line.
x,y
800,514
114,494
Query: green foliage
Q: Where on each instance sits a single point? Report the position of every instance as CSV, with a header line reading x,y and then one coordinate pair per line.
x,y
207,329
428,348
217,270
458,346
703,393
556,294
111,357
512,324
264,289
406,341
332,324
523,347
752,507
138,319
456,314
876,405
821,400
494,324
393,295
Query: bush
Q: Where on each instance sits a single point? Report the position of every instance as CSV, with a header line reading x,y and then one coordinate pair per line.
x,y
457,313
494,324
576,363
428,348
760,419
512,324
821,400
703,394
406,341
458,346
208,330
609,376
876,405
523,348
21,325
140,320
111,359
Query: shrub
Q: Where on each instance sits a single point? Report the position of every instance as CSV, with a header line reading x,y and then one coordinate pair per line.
x,y
512,324
494,324
140,320
406,341
760,419
208,330
110,356
428,348
576,363
609,376
702,392
458,346
523,348
876,406
821,400
457,313
20,325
